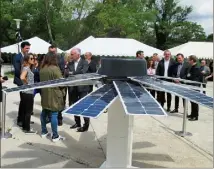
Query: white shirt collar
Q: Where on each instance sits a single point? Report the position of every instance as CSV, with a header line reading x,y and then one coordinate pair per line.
x,y
78,60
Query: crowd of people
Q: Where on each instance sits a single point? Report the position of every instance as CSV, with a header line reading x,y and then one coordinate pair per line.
x,y
30,69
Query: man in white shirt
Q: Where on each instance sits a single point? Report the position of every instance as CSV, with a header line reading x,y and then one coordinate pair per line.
x,y
77,66
164,69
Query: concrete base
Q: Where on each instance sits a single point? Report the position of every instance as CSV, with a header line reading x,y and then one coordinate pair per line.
x,y
6,135
183,134
104,166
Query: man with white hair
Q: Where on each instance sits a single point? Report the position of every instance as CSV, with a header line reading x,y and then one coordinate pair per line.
x,y
77,66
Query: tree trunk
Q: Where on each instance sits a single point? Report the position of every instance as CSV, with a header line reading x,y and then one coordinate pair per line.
x,y
47,20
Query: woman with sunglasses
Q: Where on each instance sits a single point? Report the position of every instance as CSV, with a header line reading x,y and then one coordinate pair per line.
x,y
27,97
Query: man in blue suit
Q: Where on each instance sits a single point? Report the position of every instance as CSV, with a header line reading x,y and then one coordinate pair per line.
x,y
17,63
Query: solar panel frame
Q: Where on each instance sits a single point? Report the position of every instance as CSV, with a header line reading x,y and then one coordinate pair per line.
x,y
74,80
81,104
177,90
137,101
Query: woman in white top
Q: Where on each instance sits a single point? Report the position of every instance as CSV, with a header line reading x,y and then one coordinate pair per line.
x,y
150,67
151,71
27,77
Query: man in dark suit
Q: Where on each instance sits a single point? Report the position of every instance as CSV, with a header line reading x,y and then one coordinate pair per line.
x,y
77,66
163,69
194,74
17,63
92,67
179,70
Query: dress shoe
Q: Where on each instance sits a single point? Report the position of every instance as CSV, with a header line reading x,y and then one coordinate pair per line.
x,y
75,126
189,116
174,111
168,109
193,119
82,129
32,122
32,113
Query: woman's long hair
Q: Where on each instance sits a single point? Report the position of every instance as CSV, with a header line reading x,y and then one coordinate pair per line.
x,y
26,61
50,59
149,64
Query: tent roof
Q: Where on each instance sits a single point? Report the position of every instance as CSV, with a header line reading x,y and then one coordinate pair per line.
x,y
200,49
38,46
115,47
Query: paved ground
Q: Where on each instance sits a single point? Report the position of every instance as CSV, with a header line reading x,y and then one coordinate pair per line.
x,y
155,144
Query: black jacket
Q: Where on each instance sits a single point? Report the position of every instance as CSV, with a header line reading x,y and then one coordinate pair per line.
x,y
92,67
194,74
161,69
183,72
17,63
82,68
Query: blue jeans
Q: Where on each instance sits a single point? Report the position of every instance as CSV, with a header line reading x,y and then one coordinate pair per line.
x,y
54,122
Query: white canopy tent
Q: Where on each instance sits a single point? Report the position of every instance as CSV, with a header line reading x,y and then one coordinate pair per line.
x,y
200,49
38,46
115,47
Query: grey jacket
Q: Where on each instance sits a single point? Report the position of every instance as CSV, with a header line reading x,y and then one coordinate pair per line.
x,y
82,68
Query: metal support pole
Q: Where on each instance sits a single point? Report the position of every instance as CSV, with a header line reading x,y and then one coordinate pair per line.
x,y
184,133
4,135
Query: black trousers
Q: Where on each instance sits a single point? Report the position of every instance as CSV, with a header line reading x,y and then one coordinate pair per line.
x,y
161,99
60,112
194,109
152,93
21,108
27,108
74,96
177,102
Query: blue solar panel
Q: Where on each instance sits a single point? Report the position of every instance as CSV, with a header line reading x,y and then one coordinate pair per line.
x,y
176,89
74,80
93,104
137,100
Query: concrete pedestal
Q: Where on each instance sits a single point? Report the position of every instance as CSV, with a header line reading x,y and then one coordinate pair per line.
x,y
119,137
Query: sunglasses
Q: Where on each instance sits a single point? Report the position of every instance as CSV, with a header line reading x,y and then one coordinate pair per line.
x,y
32,59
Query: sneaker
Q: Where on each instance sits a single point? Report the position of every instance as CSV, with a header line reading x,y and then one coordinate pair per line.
x,y
30,132
45,135
58,138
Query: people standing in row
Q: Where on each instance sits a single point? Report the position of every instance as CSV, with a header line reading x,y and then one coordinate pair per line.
x,y
156,59
27,97
205,71
92,67
164,69
77,66
179,70
17,63
151,71
194,74
52,99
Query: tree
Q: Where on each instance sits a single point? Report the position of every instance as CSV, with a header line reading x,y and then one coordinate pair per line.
x,y
171,18
210,38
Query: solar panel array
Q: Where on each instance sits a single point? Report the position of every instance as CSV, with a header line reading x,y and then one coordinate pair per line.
x,y
74,80
178,90
93,104
137,100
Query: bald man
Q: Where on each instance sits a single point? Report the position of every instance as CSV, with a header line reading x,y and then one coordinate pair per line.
x,y
77,66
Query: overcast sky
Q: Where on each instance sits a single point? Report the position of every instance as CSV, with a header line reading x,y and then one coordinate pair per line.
x,y
202,13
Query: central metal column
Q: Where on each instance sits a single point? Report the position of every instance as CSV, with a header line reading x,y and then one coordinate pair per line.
x,y
4,135
184,133
119,137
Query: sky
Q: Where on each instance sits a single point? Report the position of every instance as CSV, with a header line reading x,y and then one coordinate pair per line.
x,y
202,13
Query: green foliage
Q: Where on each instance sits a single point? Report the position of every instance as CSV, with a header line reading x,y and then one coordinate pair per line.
x,y
160,23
